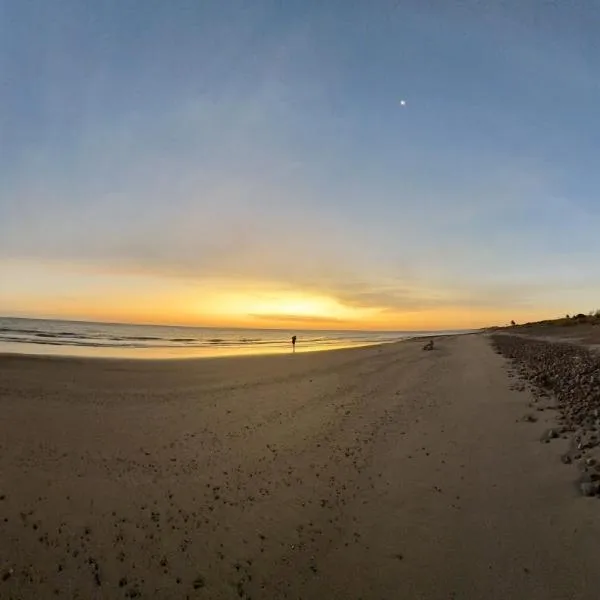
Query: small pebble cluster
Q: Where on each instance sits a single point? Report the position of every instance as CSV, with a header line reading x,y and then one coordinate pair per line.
x,y
569,375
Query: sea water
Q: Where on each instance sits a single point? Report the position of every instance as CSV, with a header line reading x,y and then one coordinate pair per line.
x,y
42,336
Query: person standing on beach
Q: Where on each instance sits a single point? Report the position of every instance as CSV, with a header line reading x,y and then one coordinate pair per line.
x,y
293,343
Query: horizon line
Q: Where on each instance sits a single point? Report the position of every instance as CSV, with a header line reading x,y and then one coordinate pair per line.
x,y
235,327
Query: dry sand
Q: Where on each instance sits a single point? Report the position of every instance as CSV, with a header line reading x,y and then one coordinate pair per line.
x,y
581,334
375,473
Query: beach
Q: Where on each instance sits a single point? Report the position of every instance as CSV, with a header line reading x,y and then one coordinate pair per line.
x,y
382,472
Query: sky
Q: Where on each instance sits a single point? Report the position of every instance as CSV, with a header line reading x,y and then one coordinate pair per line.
x,y
237,163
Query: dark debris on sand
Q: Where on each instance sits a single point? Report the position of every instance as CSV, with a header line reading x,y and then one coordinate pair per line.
x,y
571,375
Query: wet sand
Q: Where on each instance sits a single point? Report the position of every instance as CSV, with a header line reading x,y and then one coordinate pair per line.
x,y
383,472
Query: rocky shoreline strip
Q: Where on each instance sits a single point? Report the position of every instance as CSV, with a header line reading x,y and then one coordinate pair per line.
x,y
565,377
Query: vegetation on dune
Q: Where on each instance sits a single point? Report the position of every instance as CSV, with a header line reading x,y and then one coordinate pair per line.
x,y
592,318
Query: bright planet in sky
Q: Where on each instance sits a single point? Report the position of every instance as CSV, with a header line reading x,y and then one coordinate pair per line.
x,y
402,102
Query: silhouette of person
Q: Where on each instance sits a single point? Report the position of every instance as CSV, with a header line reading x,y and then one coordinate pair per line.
x,y
293,343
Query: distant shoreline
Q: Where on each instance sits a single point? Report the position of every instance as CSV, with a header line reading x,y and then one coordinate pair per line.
x,y
83,357
101,340
216,327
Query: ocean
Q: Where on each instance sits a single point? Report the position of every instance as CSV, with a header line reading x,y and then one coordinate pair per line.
x,y
77,338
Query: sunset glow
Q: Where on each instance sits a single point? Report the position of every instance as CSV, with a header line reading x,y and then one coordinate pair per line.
x,y
402,168
68,292
288,306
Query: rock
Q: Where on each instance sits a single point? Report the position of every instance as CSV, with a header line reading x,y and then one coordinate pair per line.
x,y
550,434
583,468
589,488
199,582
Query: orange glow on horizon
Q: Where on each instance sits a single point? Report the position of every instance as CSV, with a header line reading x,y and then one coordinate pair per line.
x,y
79,293
180,314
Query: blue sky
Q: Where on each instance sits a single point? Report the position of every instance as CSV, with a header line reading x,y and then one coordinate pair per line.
x,y
262,145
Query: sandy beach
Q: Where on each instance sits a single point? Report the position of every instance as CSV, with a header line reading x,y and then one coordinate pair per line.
x,y
373,473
